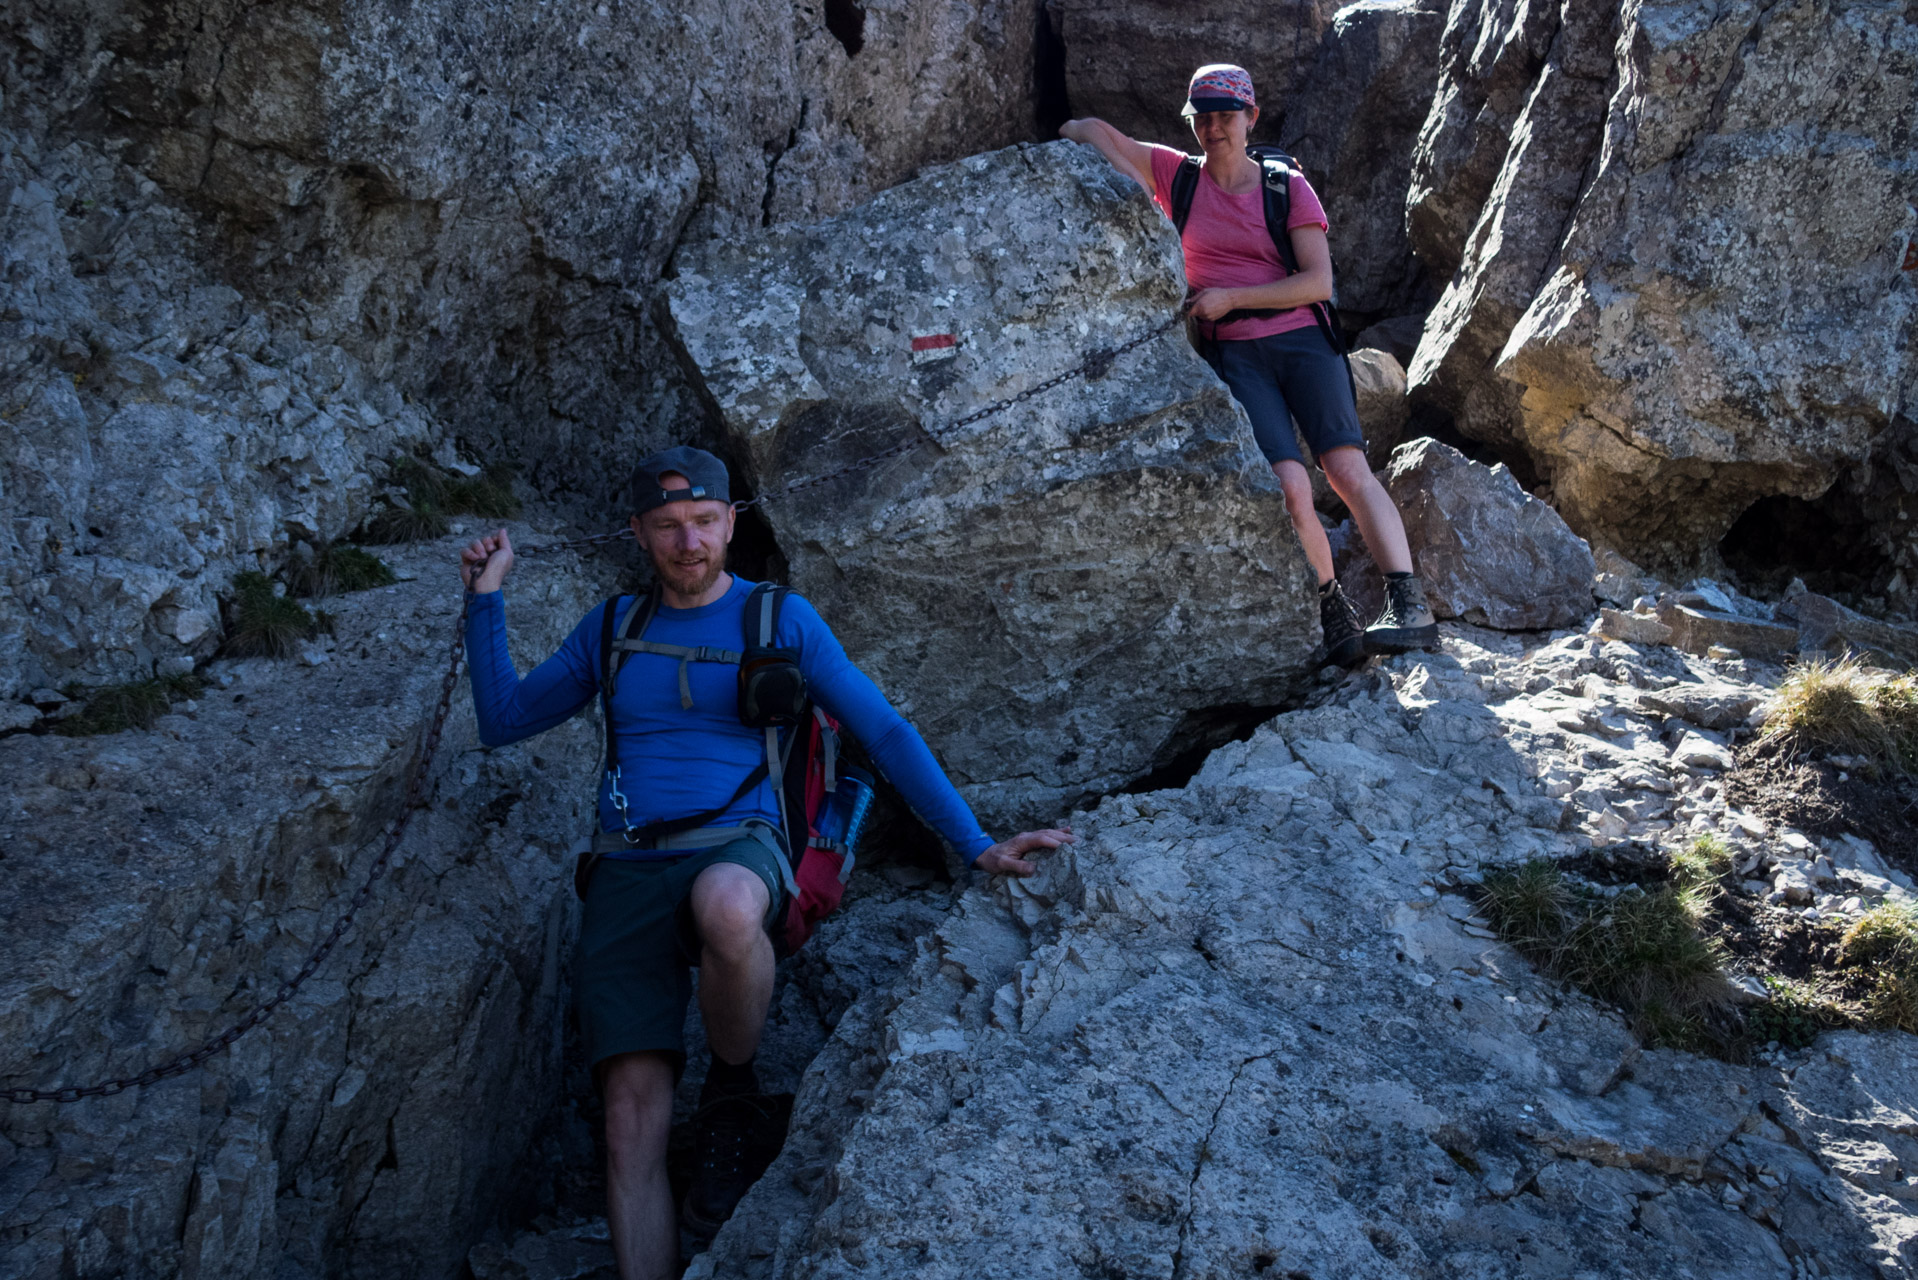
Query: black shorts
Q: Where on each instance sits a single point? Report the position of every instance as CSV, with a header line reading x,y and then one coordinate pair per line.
x,y
1291,377
637,948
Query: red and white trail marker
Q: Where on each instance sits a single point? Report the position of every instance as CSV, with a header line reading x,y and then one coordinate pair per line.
x,y
927,347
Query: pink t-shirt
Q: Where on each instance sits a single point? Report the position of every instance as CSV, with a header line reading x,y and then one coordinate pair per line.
x,y
1227,245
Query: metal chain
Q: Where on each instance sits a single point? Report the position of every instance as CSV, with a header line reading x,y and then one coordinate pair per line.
x,y
1096,365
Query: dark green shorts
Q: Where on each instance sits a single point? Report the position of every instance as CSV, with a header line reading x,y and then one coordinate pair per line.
x,y
637,948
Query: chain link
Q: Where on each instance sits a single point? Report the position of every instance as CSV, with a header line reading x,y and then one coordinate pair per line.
x,y
1096,365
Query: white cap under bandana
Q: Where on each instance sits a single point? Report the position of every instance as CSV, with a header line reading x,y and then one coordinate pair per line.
x,y
1219,86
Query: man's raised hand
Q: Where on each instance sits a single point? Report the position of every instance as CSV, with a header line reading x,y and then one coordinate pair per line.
x,y
1005,857
485,561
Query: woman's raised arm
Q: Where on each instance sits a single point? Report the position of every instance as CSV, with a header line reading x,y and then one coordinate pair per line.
x,y
1133,159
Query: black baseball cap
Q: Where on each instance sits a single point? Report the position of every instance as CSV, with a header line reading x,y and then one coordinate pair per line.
x,y
706,479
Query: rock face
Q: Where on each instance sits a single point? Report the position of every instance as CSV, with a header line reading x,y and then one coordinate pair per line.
x,y
1060,593
160,883
251,251
1352,119
1250,1028
1638,305
1129,62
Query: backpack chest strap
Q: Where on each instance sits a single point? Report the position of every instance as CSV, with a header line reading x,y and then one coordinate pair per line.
x,y
685,654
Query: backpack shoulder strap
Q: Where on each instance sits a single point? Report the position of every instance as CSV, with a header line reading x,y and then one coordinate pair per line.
x,y
762,614
1277,171
1185,183
611,657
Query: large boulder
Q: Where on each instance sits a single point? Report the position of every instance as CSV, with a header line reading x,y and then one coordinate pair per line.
x,y
160,883
1488,551
1679,258
1062,594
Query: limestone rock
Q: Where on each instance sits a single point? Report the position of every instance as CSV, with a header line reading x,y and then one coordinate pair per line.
x,y
251,251
1825,626
1698,627
1352,120
1659,385
1632,627
1057,593
1231,1033
1489,552
161,434
159,883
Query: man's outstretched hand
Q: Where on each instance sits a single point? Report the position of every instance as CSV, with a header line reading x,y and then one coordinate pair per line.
x,y
1005,857
484,562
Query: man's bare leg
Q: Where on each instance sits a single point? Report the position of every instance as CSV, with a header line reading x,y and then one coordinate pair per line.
x,y
735,958
638,1091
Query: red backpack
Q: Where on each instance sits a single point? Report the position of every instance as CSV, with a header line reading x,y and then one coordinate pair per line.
x,y
820,801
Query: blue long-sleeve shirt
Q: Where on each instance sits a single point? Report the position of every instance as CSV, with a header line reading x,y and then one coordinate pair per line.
x,y
674,761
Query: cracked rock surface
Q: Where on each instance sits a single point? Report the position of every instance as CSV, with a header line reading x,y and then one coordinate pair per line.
x,y
160,883
1248,1027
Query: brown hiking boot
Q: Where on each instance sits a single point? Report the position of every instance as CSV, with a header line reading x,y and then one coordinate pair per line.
x,y
1344,645
1406,623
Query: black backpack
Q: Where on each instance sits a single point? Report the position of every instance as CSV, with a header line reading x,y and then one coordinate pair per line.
x,y
1278,169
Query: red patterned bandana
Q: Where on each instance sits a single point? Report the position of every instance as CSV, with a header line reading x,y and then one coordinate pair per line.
x,y
1219,86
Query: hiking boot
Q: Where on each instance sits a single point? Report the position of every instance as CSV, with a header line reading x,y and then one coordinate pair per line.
x,y
1406,623
724,1137
1344,645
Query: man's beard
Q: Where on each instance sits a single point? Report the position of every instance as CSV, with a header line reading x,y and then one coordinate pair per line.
x,y
690,579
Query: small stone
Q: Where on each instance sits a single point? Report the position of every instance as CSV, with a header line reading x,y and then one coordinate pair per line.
x,y
1719,653
1747,989
1631,628
46,699
1793,879
1755,888
1696,751
1853,905
17,715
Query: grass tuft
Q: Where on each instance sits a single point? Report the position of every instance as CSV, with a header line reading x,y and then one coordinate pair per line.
x,y
1639,951
263,623
1847,708
337,569
114,708
1884,942
432,495
1701,866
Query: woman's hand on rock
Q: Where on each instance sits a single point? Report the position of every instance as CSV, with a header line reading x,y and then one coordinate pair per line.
x,y
485,562
1005,857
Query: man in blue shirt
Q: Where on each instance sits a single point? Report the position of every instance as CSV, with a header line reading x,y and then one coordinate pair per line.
x,y
654,908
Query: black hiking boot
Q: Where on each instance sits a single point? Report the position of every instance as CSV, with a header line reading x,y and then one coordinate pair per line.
x,y
1344,645
1406,623
725,1134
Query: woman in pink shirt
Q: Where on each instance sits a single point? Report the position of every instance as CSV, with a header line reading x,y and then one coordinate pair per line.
x,y
1266,344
